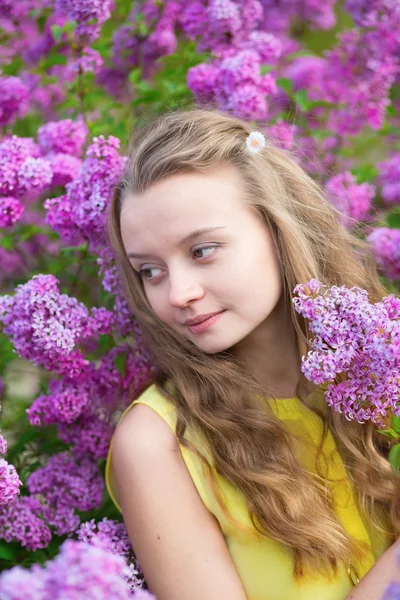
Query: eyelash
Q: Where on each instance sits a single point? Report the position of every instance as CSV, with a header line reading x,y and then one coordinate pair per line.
x,y
214,247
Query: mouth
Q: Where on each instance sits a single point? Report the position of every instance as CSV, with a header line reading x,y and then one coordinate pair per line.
x,y
203,322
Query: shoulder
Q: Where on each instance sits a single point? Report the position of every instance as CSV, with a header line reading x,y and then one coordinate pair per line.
x,y
147,427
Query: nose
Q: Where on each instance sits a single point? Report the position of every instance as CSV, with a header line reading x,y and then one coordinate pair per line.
x,y
184,287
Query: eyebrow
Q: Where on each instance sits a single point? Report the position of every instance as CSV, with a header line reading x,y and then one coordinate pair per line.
x,y
189,238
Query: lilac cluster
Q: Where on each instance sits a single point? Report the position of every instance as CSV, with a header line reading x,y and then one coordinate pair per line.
x,y
389,179
9,482
113,536
385,243
351,199
233,81
281,16
46,326
80,572
90,61
83,209
357,339
11,211
65,137
14,100
89,15
21,520
21,168
3,441
67,485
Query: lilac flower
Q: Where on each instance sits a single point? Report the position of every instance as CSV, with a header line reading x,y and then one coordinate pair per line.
x,y
80,571
351,199
3,443
45,326
65,168
392,592
14,151
202,81
125,48
9,481
66,137
67,483
389,179
385,243
14,100
90,61
83,209
89,435
34,175
11,211
89,14
283,134
21,521
112,535
223,17
63,404
193,19
356,338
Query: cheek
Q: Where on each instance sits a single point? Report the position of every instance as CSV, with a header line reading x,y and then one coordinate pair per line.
x,y
158,301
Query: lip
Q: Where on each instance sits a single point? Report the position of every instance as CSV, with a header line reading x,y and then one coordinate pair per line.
x,y
206,322
200,319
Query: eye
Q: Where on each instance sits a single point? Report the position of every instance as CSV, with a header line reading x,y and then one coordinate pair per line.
x,y
146,273
207,250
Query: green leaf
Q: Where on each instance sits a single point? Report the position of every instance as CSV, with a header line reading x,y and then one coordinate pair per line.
x,y
302,100
266,69
394,457
285,84
7,552
120,362
393,220
396,423
57,32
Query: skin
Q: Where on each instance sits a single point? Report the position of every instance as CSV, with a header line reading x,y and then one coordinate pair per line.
x,y
233,268
178,542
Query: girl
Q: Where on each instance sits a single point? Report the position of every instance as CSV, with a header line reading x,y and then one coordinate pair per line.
x,y
234,480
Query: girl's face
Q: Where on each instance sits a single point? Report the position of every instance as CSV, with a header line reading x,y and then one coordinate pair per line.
x,y
206,259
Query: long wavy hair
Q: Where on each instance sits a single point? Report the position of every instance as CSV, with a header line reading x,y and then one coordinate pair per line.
x,y
249,445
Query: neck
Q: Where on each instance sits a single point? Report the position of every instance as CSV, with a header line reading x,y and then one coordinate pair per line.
x,y
271,353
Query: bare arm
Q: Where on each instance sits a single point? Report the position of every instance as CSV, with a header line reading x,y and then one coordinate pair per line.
x,y
177,541
385,571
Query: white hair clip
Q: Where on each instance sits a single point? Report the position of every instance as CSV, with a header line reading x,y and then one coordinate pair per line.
x,y
255,142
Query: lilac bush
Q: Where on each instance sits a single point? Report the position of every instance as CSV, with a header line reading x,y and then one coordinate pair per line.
x,y
76,74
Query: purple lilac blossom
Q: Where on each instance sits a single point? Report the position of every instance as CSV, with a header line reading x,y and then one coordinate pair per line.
x,y
65,168
283,134
67,484
385,243
389,179
34,176
21,521
14,151
11,211
89,14
3,443
356,338
83,209
113,536
65,137
392,591
14,100
81,571
351,199
90,61
45,326
9,482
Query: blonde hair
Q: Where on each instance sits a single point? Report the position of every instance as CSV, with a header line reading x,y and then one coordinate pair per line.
x,y
212,391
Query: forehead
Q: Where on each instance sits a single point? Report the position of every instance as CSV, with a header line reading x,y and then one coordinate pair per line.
x,y
171,208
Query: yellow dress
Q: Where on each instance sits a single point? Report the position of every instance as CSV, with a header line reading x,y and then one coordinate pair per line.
x,y
265,566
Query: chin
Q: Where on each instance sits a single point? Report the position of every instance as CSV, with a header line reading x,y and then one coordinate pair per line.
x,y
214,346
